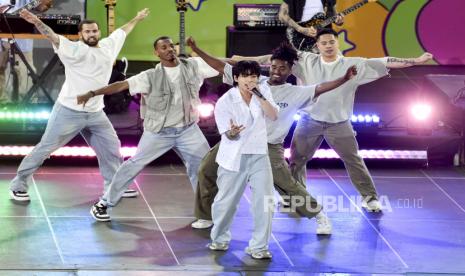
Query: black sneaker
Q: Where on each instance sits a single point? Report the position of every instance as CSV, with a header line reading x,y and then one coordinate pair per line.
x,y
19,196
99,212
130,193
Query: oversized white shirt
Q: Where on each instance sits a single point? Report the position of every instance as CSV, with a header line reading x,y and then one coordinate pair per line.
x,y
336,106
253,139
87,68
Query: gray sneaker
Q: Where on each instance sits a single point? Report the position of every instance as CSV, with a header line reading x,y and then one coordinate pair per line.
x,y
259,255
218,246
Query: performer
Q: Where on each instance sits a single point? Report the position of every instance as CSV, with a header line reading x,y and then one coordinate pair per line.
x,y
88,64
26,47
290,98
171,94
242,157
293,11
329,116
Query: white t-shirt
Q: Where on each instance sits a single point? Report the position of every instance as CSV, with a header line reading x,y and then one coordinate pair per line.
x,y
253,139
337,105
290,99
311,8
87,68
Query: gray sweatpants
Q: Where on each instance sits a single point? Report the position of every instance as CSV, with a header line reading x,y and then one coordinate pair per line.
x,y
255,169
307,138
63,125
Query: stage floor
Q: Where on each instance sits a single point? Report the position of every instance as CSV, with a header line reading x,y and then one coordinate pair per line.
x,y
421,231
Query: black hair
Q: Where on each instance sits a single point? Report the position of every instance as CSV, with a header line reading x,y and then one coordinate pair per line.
x,y
158,39
86,22
246,68
285,52
326,31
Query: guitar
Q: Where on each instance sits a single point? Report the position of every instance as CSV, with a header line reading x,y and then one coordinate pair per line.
x,y
181,7
318,21
118,102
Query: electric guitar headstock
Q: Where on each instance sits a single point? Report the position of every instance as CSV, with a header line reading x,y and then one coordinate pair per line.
x,y
181,5
110,2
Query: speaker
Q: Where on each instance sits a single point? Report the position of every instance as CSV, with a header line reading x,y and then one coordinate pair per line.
x,y
253,42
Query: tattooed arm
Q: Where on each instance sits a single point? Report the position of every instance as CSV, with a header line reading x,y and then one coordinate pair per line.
x,y
393,62
286,19
41,27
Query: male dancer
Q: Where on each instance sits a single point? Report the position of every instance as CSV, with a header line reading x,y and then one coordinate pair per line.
x,y
88,64
290,98
171,93
328,117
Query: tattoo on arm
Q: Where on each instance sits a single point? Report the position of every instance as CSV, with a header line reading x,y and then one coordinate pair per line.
x,y
285,18
48,32
405,61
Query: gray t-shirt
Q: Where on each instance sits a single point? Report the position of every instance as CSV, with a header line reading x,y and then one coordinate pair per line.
x,y
290,99
336,106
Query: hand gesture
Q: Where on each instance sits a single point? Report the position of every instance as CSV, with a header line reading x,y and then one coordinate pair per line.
x,y
235,129
311,31
339,20
141,15
84,98
351,72
191,42
424,58
28,16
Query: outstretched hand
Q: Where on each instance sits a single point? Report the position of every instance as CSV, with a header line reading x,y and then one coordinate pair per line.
x,y
142,14
351,73
424,58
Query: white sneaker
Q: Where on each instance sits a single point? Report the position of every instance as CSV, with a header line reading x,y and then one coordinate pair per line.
x,y
202,224
323,224
372,205
129,193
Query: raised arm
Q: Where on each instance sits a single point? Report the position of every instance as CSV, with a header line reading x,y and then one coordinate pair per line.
x,y
107,90
330,85
393,62
141,15
214,62
41,27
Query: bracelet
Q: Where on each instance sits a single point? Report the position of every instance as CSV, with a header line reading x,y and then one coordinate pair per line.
x,y
92,93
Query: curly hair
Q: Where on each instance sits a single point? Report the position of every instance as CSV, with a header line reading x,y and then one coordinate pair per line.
x,y
285,52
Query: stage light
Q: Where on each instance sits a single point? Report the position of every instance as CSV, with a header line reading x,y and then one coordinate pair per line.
x,y
206,110
421,111
365,119
24,115
297,117
130,151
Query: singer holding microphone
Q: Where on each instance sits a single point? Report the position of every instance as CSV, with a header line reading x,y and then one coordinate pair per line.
x,y
243,158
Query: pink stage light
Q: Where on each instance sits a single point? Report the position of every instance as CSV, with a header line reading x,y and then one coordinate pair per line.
x,y
421,111
130,151
206,109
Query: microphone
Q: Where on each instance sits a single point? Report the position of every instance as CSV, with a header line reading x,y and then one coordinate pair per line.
x,y
257,93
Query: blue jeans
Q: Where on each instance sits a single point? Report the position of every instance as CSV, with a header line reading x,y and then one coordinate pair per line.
x,y
63,125
188,142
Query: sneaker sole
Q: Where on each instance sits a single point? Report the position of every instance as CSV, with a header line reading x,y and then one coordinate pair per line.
x,y
131,195
99,219
323,233
204,227
19,198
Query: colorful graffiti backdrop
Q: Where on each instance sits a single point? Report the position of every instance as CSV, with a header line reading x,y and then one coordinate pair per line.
x,y
402,28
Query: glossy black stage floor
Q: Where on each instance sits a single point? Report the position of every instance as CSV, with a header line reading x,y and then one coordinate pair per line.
x,y
421,231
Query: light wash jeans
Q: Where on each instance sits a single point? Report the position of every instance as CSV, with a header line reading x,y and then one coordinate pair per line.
x,y
188,142
63,125
255,169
